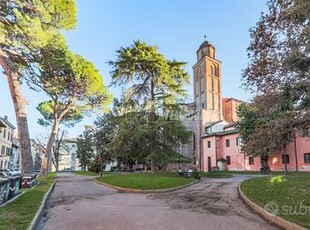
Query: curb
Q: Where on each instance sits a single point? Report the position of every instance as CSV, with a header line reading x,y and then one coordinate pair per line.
x,y
278,221
129,190
11,200
35,221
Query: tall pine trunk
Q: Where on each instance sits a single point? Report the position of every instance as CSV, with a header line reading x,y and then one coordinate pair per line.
x,y
21,115
51,140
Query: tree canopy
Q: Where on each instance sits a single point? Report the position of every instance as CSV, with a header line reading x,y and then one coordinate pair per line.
x,y
155,84
25,27
280,58
73,84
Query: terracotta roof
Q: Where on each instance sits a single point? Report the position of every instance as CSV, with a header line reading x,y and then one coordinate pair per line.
x,y
231,98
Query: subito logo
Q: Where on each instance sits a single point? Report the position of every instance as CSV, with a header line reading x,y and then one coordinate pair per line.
x,y
271,207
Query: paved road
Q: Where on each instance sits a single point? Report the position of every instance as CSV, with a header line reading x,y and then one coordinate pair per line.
x,y
78,203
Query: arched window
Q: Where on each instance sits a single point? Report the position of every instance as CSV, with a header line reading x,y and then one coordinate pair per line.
x,y
212,70
307,158
216,72
227,160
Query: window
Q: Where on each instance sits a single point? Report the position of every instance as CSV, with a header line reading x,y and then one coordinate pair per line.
x,y
285,158
197,88
227,160
212,72
202,105
238,141
8,150
215,70
3,150
307,158
4,133
202,84
251,160
227,143
9,135
209,144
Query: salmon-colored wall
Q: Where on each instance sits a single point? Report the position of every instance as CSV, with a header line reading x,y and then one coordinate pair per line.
x,y
230,108
240,162
302,147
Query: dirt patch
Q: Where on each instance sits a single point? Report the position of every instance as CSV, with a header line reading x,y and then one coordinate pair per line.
x,y
215,197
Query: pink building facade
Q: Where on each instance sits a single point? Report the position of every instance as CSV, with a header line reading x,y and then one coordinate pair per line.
x,y
210,117
227,145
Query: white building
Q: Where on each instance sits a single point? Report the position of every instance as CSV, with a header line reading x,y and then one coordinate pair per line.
x,y
37,154
15,154
6,137
67,156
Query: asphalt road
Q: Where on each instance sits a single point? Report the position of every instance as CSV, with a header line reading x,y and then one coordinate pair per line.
x,y
78,203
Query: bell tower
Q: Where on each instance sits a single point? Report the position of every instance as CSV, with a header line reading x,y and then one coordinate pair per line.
x,y
208,84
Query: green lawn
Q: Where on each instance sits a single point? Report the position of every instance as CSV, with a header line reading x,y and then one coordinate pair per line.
x,y
86,173
216,174
146,181
256,172
19,213
289,194
89,173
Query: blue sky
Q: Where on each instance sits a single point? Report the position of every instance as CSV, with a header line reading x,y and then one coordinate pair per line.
x,y
177,27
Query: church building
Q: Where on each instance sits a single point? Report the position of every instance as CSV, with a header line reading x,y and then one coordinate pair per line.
x,y
211,117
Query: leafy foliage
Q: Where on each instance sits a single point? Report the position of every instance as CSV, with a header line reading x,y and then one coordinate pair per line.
x,y
73,84
280,55
85,149
46,109
264,133
27,25
279,72
127,136
155,84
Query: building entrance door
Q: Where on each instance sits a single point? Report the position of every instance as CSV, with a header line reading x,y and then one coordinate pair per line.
x,y
209,164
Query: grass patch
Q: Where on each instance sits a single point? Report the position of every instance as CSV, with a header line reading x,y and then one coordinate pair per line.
x,y
256,173
86,173
18,214
146,181
290,193
216,174
89,173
